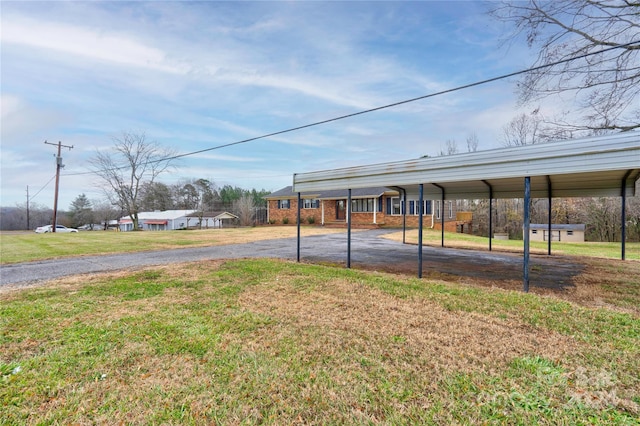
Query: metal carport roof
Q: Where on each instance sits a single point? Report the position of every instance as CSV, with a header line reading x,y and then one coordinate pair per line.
x,y
596,166
591,167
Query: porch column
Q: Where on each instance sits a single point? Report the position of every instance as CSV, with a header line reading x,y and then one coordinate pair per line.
x,y
298,225
349,230
322,210
420,213
375,211
527,207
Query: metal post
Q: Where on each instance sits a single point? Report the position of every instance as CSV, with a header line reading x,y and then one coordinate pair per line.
x,y
441,214
420,213
527,206
349,230
549,225
624,213
299,199
404,215
490,212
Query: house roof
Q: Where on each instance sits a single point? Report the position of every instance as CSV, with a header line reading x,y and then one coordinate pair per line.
x,y
214,215
162,215
597,166
370,192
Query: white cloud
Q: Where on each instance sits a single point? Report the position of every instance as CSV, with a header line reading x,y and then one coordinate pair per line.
x,y
114,48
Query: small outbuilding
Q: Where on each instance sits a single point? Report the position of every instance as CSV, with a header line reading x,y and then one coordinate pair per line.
x,y
568,233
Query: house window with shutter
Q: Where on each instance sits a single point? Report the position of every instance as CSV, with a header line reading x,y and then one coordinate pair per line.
x,y
309,203
363,205
284,204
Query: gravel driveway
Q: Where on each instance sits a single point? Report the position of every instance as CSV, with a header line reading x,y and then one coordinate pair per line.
x,y
368,251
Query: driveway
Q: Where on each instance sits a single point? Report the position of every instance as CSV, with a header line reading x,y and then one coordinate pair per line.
x,y
368,251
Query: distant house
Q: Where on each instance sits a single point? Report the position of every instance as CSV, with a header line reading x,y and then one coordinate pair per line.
x,y
169,220
559,232
376,206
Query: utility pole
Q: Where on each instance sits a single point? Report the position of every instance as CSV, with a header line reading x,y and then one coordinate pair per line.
x,y
59,165
28,226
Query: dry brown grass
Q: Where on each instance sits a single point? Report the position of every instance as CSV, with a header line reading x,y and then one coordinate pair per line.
x,y
451,341
303,344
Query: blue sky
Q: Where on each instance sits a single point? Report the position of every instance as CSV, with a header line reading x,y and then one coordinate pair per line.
x,y
200,74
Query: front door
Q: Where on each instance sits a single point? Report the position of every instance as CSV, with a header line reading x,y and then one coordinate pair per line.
x,y
341,211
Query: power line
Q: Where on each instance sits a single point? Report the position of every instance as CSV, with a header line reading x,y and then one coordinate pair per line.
x,y
395,104
41,189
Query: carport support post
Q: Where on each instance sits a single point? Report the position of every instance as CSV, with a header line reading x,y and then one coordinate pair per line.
x,y
420,213
441,213
527,208
624,213
298,226
549,229
442,220
404,215
490,212
349,230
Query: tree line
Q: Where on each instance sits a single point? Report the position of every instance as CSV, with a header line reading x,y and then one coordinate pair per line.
x,y
200,195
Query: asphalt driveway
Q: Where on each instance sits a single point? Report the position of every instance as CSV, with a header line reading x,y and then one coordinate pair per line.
x,y
368,251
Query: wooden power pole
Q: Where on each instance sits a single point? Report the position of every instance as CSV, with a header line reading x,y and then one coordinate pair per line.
x,y
59,165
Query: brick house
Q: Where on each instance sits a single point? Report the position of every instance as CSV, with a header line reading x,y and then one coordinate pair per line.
x,y
376,206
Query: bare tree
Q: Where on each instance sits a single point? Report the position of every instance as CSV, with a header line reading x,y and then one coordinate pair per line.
x,y
451,147
245,209
135,160
523,129
105,212
472,142
606,86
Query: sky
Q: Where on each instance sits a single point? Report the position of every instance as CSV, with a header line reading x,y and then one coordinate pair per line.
x,y
196,75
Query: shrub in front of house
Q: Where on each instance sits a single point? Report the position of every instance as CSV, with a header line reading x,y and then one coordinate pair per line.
x,y
285,220
311,220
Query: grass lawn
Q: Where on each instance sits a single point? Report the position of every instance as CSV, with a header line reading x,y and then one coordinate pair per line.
x,y
586,249
24,247
275,342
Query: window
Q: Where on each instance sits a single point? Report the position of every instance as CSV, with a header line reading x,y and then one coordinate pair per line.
x,y
284,204
534,231
427,207
395,206
569,232
438,209
366,205
450,209
309,203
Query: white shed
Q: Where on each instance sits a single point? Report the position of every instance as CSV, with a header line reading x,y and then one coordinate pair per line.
x,y
167,220
572,233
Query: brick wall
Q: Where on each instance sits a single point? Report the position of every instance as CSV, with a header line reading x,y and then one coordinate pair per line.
x,y
382,219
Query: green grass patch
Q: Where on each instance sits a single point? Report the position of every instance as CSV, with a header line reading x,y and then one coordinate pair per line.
x,y
588,249
272,342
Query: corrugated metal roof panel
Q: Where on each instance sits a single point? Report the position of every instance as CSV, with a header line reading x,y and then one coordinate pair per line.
x,y
582,167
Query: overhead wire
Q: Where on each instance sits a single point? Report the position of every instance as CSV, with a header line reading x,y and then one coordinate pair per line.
x,y
395,104
40,190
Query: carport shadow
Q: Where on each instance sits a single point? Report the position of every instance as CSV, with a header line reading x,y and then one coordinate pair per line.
x,y
369,251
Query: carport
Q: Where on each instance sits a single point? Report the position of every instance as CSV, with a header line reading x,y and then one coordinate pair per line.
x,y
605,166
